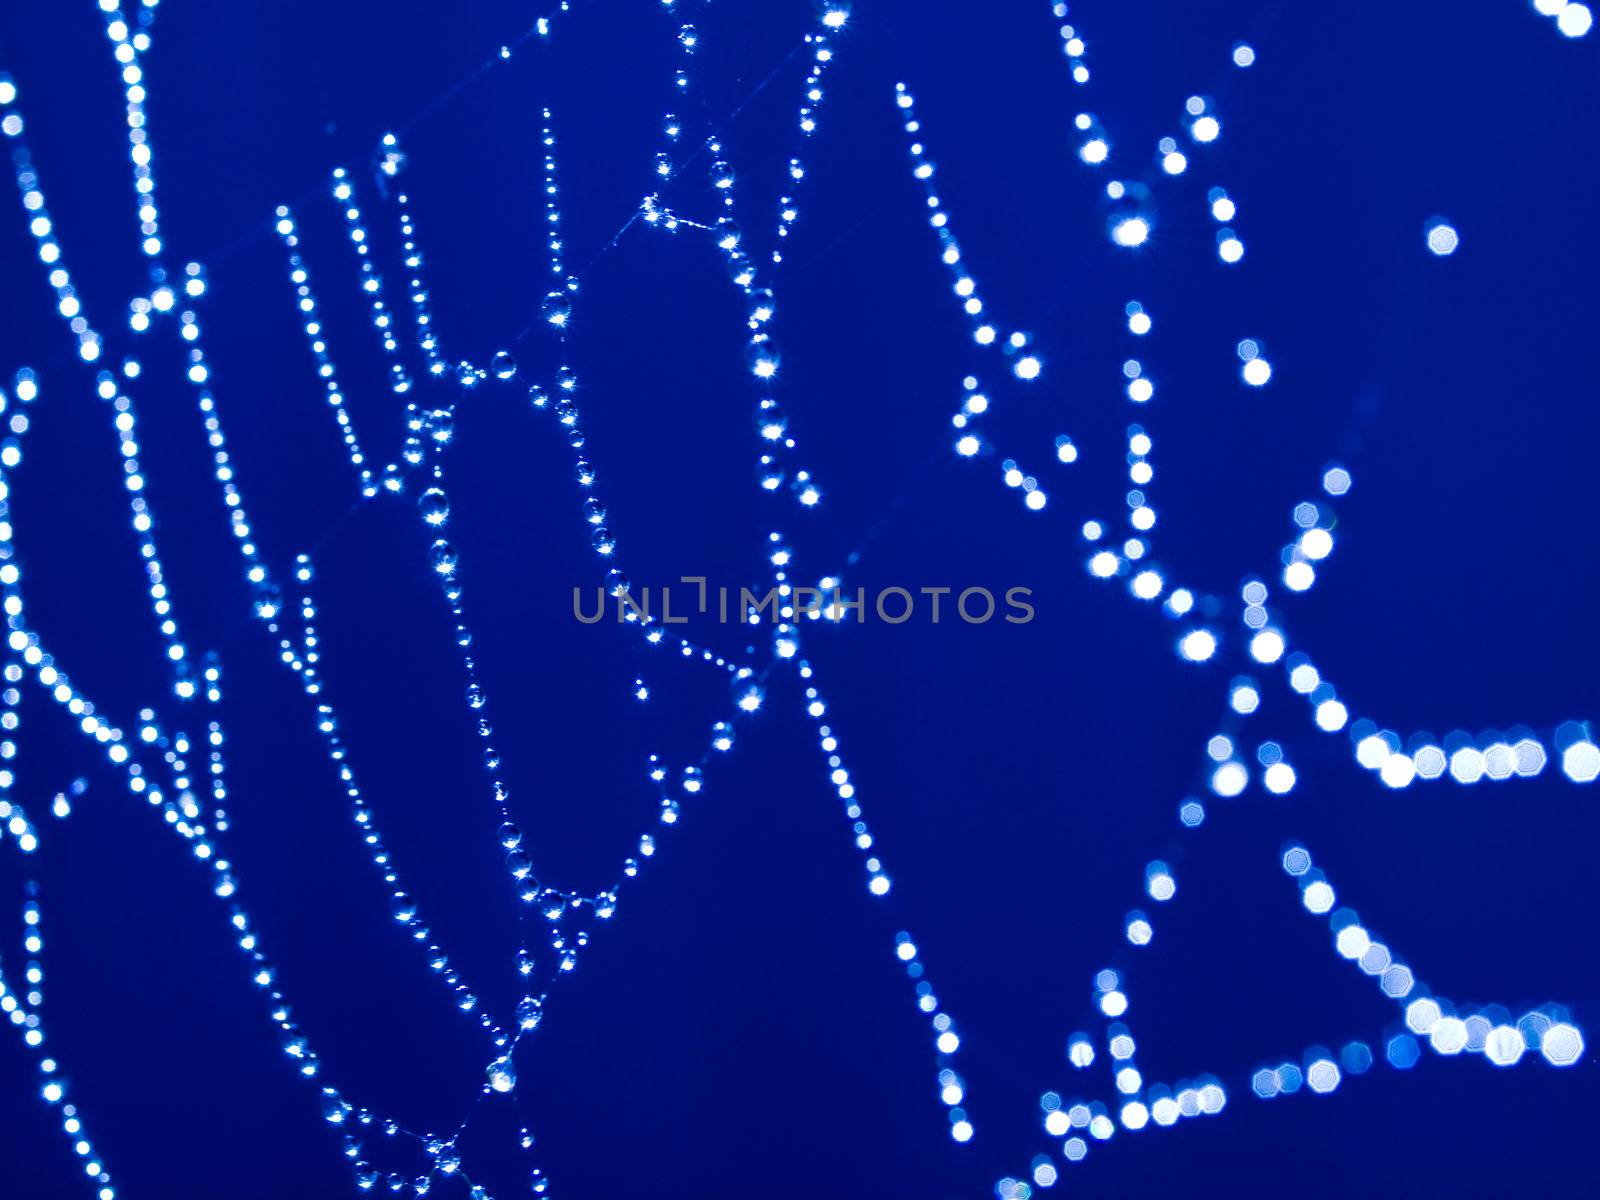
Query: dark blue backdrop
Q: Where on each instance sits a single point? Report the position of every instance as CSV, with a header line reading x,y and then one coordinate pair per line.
x,y
743,1028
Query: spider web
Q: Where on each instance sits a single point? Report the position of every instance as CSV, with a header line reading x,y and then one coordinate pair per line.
x,y
694,194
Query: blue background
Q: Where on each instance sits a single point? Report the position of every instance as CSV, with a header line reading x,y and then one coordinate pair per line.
x,y
742,1028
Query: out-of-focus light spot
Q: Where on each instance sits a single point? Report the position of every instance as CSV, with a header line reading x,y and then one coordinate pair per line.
x,y
1322,1076
1299,576
1397,771
1318,897
1267,646
1581,762
1159,883
1443,239
1575,20
1504,1045
1279,778
1422,1015
1130,231
1316,544
1229,779
1402,1051
1449,1036
1562,1045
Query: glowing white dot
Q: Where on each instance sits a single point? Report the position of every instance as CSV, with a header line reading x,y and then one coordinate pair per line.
x,y
1467,765
1398,770
1205,129
1298,576
1130,231
1198,645
1027,368
1316,543
1267,646
1322,1076
1504,1045
1443,239
1581,762
1562,1045
1174,163
1574,20
1279,778
1318,897
1229,779
1257,371
1352,942
1243,56
1094,151
1449,1035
